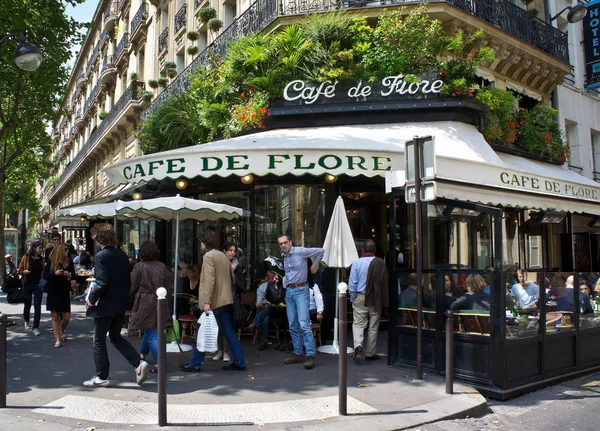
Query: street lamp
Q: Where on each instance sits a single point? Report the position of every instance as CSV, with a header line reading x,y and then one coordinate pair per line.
x,y
576,13
27,56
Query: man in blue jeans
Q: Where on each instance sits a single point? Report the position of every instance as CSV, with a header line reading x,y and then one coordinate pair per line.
x,y
216,295
297,298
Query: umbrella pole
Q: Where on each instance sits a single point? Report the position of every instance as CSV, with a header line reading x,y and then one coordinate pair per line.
x,y
336,315
175,269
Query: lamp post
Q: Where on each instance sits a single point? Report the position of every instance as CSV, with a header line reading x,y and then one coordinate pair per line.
x,y
27,56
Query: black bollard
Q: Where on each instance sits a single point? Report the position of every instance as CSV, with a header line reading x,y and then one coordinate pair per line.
x,y
3,322
449,352
161,313
343,357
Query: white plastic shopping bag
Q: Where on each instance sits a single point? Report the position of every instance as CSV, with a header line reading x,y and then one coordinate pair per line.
x,y
208,333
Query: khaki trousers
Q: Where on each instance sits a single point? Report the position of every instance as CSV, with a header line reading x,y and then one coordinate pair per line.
x,y
363,315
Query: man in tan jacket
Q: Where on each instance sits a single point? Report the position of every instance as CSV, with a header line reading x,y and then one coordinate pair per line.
x,y
215,294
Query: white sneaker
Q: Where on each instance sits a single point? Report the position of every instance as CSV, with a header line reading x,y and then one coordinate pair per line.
x,y
96,382
218,356
141,372
226,357
36,332
26,325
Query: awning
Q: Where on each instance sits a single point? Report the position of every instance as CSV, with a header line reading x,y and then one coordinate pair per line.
x,y
369,150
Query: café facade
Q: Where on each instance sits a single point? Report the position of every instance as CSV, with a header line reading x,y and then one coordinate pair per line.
x,y
491,211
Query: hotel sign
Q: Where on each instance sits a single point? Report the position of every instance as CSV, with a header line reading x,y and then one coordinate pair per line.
x,y
591,38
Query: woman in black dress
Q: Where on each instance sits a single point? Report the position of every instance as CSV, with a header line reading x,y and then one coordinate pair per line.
x,y
59,272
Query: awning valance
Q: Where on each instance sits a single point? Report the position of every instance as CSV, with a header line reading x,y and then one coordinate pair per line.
x,y
369,150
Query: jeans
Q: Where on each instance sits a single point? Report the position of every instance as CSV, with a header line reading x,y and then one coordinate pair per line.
x,y
113,326
36,289
297,301
224,317
150,343
262,320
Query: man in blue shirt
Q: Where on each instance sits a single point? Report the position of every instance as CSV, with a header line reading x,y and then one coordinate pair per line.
x,y
361,285
297,298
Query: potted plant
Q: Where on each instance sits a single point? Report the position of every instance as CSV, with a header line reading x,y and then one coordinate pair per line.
x,y
171,73
192,50
205,14
153,83
102,115
215,24
193,35
134,76
534,12
163,82
147,96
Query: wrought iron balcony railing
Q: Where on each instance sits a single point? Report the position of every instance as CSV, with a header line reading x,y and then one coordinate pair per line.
x,y
91,98
139,18
133,93
163,40
112,10
108,63
121,46
180,18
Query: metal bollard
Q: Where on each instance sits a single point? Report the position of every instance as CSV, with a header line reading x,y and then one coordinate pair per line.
x,y
342,345
3,322
161,313
449,352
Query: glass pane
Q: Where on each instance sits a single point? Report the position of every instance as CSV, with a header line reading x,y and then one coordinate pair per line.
x,y
468,295
522,303
589,302
560,304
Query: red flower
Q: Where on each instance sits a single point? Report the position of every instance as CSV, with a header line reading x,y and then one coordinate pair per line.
x,y
443,73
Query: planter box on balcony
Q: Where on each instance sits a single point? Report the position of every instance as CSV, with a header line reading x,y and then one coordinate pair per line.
x,y
516,151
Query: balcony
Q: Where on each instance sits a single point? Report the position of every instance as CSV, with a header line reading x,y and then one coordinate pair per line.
x,y
122,48
103,38
111,16
78,119
125,106
109,69
92,59
123,4
74,97
138,22
81,80
527,49
92,97
198,4
180,19
163,42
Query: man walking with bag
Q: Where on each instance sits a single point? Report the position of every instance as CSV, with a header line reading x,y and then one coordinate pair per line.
x,y
107,304
215,293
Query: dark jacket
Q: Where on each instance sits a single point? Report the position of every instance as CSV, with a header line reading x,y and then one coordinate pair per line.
x,y
377,288
472,301
112,281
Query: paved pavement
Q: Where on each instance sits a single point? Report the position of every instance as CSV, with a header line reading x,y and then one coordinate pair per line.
x,y
45,389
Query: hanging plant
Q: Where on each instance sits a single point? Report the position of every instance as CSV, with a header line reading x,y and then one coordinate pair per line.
x,y
193,35
147,96
192,50
534,12
102,115
171,73
134,76
206,14
153,83
163,82
215,24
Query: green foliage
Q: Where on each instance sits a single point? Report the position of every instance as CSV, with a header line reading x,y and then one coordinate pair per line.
x,y
205,14
134,76
540,133
153,83
500,124
214,24
174,125
409,44
28,100
102,115
192,50
147,96
162,82
193,35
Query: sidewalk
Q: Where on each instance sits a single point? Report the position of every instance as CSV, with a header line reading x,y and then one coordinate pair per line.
x,y
45,389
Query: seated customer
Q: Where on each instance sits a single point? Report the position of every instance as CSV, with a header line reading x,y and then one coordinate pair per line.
x,y
475,298
526,292
261,320
565,299
316,303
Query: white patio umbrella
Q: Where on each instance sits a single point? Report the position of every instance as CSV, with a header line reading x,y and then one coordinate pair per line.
x,y
340,252
178,208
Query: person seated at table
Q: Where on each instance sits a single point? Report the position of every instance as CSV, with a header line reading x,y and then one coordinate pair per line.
x,y
261,320
316,303
408,296
189,291
475,298
526,293
451,292
565,299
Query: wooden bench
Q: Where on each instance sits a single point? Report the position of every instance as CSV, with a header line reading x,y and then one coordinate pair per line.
x,y
472,322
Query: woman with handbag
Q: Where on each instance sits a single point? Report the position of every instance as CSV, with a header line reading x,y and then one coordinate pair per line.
x,y
147,276
59,272
31,268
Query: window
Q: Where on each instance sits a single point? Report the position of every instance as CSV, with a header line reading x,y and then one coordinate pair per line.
x,y
571,132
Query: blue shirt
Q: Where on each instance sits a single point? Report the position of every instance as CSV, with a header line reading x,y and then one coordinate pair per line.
x,y
358,276
295,266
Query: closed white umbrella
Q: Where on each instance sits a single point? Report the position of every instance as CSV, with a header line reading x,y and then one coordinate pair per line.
x,y
340,252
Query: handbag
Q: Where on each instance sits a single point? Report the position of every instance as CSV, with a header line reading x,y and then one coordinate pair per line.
x,y
273,295
10,283
16,295
173,332
208,333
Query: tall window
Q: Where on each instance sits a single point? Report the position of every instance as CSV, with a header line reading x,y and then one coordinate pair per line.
x,y
596,154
